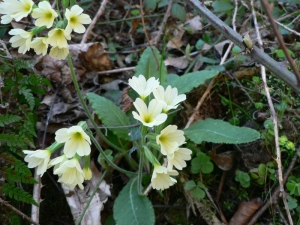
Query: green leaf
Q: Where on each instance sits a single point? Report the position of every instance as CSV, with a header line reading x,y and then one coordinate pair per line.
x,y
178,12
8,119
189,185
28,96
243,178
150,5
218,131
132,208
187,82
149,65
198,193
222,5
110,115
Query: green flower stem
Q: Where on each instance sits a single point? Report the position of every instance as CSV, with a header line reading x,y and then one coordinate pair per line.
x,y
129,173
90,199
86,108
140,172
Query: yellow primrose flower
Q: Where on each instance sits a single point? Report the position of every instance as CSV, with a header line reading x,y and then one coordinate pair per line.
x,y
161,177
6,19
170,139
178,158
40,45
15,9
22,39
76,18
75,139
168,97
44,14
150,116
59,53
56,162
39,158
143,87
87,173
58,37
70,173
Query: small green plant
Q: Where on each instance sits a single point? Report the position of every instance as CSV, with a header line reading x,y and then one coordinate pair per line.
x,y
243,178
202,163
198,189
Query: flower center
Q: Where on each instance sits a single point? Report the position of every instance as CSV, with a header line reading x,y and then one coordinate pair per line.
x,y
148,118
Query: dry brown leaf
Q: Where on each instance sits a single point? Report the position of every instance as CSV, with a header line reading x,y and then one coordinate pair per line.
x,y
195,23
245,212
179,62
176,41
95,58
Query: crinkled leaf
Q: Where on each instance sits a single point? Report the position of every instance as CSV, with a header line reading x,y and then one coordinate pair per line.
x,y
218,131
187,82
132,208
149,65
110,115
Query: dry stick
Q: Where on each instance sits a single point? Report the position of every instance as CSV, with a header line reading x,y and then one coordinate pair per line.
x,y
91,26
146,33
163,24
285,222
274,118
274,197
276,68
117,70
17,211
268,10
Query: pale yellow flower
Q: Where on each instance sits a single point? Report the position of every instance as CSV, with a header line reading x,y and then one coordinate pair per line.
x,y
161,177
15,9
87,173
178,158
170,139
58,37
143,87
39,159
150,116
56,162
70,173
6,19
75,139
76,18
168,97
21,39
44,14
40,45
59,53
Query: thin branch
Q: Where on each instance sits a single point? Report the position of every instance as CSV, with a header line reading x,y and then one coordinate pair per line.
x,y
17,211
274,197
276,68
274,118
91,26
163,24
268,9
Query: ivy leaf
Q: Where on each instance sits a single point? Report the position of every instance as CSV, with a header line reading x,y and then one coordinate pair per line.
x,y
132,208
187,82
110,115
218,131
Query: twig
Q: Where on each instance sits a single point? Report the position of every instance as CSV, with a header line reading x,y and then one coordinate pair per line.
x,y
8,55
91,26
146,33
276,68
162,26
274,117
17,211
281,215
117,70
268,9
274,197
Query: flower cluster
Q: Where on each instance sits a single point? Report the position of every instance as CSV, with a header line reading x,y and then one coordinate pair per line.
x,y
45,18
67,166
170,138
